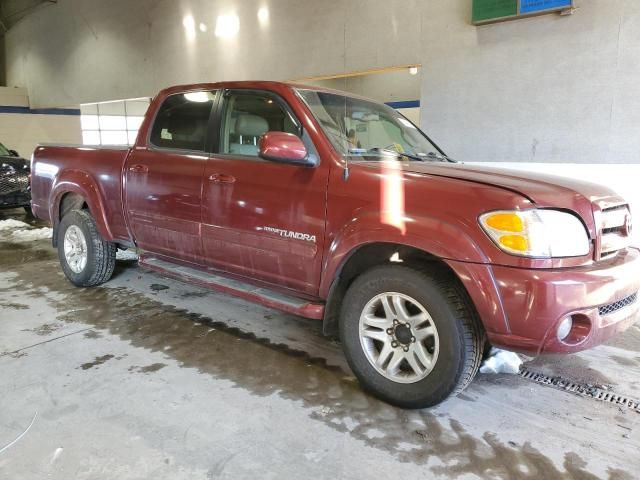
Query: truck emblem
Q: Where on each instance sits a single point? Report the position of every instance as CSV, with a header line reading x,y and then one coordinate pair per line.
x,y
290,234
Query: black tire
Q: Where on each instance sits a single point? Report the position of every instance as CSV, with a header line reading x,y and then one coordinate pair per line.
x,y
101,255
28,211
461,336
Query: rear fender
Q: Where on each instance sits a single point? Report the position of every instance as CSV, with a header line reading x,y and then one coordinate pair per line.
x,y
81,183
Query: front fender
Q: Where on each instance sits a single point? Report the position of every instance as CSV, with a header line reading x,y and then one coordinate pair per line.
x,y
434,236
81,183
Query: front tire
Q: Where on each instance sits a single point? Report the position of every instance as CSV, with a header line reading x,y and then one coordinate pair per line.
x,y
86,258
410,336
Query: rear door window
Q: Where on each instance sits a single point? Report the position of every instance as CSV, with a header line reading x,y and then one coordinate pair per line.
x,y
182,121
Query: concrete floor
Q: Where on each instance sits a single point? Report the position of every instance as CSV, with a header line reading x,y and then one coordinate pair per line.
x,y
146,377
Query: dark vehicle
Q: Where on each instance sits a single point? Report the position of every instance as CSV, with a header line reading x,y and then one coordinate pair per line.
x,y
259,189
15,191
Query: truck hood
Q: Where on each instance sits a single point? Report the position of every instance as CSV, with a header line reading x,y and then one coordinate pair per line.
x,y
541,189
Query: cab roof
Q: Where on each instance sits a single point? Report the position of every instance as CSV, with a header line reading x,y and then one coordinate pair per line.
x,y
252,84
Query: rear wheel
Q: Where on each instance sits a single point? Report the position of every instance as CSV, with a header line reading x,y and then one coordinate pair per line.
x,y
86,258
410,336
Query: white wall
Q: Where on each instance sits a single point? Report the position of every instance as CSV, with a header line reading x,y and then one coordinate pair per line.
x,y
78,52
551,93
14,97
23,131
412,114
546,89
390,86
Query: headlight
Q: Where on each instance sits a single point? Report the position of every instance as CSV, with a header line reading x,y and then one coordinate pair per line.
x,y
537,233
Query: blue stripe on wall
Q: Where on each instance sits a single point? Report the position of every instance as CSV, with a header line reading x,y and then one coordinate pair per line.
x,y
39,111
405,104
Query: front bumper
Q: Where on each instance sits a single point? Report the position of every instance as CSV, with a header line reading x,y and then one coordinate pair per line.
x,y
522,308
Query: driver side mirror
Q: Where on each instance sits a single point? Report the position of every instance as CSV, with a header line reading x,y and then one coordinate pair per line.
x,y
284,148
14,153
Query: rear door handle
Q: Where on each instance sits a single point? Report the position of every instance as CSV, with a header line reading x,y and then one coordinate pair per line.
x,y
138,168
221,178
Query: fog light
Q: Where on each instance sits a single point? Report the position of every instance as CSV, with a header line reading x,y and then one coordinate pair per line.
x,y
564,329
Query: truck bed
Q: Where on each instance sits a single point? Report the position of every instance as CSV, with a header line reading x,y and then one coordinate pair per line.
x,y
97,171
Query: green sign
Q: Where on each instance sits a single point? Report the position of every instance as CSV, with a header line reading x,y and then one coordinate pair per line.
x,y
487,10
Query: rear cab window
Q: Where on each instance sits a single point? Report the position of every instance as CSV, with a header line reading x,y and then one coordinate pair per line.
x,y
182,121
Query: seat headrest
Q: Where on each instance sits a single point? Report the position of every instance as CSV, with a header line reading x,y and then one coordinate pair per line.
x,y
251,125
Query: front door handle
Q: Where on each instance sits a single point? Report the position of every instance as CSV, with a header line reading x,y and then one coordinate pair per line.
x,y
139,168
221,178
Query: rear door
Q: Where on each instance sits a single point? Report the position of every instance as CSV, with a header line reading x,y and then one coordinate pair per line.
x,y
164,178
262,219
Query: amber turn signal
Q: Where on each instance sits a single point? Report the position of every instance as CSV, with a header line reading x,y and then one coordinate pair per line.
x,y
505,222
515,242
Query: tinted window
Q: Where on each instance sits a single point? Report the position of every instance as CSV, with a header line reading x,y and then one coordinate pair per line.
x,y
182,121
248,116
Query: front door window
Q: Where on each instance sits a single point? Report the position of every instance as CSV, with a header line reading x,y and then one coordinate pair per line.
x,y
246,117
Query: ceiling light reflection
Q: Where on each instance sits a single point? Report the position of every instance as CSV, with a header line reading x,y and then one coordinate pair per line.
x,y
189,25
227,26
199,97
263,16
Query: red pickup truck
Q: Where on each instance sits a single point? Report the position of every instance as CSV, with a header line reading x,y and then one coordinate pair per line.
x,y
337,208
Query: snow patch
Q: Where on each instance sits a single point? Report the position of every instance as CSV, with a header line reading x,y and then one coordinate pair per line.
x,y
126,255
501,361
12,230
31,235
11,224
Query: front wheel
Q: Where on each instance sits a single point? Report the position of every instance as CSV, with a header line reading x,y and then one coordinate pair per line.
x,y
410,336
86,258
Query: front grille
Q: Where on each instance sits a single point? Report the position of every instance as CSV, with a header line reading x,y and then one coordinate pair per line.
x,y
615,230
619,305
13,182
17,199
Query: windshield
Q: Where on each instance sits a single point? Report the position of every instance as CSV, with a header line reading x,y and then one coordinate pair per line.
x,y
4,152
358,127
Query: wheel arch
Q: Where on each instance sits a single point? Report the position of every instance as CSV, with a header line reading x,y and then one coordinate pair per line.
x,y
77,190
367,256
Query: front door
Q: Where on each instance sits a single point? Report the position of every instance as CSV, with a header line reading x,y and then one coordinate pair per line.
x,y
164,178
262,219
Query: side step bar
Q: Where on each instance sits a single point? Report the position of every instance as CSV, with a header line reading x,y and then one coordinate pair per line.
x,y
263,296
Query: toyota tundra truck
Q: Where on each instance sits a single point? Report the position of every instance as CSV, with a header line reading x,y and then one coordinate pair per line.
x,y
334,207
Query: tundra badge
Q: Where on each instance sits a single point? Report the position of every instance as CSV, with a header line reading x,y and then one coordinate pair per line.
x,y
290,234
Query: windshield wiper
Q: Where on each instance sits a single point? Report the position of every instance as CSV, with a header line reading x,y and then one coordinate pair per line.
x,y
399,154
441,157
420,157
